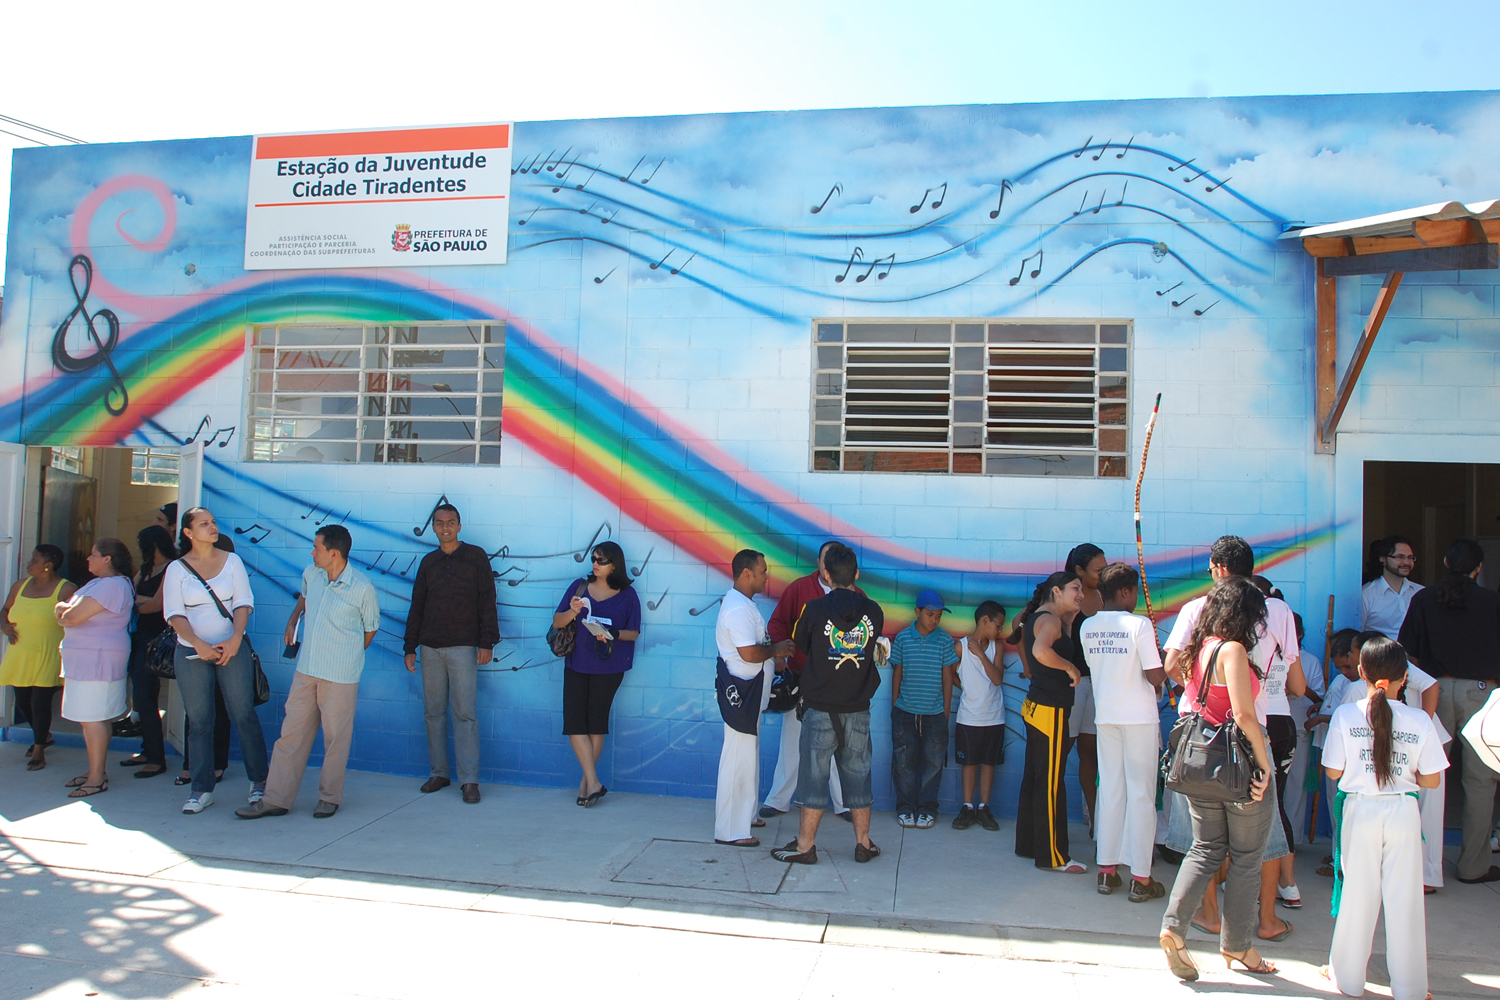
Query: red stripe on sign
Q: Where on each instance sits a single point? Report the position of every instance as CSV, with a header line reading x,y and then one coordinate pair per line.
x,y
410,140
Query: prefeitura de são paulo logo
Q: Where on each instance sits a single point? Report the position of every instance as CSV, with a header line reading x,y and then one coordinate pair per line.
x,y
401,237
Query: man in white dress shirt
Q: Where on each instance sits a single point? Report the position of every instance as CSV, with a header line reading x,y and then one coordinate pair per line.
x,y
1384,600
749,656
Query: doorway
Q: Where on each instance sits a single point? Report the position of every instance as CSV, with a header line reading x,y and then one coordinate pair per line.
x,y
1433,503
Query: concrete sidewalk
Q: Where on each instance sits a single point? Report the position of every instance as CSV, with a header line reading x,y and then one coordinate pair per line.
x,y
649,861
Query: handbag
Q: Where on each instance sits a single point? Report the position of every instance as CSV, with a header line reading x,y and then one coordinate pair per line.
x,y
562,641
739,699
262,684
161,654
1205,761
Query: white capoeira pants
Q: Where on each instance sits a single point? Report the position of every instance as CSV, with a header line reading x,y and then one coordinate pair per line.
x,y
1126,824
1381,853
788,763
1433,801
1297,799
739,783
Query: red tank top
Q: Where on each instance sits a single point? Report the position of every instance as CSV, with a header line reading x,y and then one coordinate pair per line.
x,y
1217,708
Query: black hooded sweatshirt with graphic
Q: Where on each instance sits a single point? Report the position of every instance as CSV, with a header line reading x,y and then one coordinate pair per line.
x,y
837,632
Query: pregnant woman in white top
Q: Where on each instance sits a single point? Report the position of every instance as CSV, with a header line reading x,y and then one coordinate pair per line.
x,y
211,653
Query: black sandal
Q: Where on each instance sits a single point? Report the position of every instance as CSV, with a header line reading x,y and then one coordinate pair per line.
x,y
588,803
181,780
82,791
77,782
147,772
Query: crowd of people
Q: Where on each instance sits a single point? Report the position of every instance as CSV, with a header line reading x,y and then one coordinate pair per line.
x,y
1424,661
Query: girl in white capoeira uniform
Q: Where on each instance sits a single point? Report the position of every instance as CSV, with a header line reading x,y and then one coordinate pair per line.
x,y
1380,752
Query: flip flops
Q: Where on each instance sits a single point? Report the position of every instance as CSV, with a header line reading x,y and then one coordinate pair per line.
x,y
84,791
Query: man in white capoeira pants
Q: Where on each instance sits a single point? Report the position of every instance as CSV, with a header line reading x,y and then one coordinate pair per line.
x,y
743,684
783,620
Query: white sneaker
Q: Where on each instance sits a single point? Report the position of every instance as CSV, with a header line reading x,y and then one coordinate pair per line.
x,y
906,820
1495,842
256,794
198,802
1290,895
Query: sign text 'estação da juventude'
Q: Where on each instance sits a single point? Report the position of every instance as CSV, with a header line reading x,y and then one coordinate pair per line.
x,y
388,198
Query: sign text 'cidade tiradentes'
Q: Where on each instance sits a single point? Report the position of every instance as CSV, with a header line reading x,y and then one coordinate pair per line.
x,y
388,198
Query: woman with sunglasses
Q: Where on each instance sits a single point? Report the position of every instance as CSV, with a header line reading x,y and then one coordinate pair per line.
x,y
608,613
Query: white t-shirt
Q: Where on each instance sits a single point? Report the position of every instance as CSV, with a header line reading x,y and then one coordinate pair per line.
x,y
1338,689
980,702
182,596
1279,632
1312,669
1119,648
740,624
1350,748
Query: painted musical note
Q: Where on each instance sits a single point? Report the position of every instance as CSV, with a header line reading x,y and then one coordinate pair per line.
x,y
536,170
1173,170
519,170
922,200
1189,180
528,218
228,433
1039,256
371,565
664,259
408,566
647,180
326,515
583,553
391,566
561,177
1215,187
695,612
580,187
1200,312
836,189
419,531
679,267
1084,148
251,532
653,605
889,263
1166,290
586,211
1122,194
102,345
605,222
858,254
1177,302
503,552
315,509
600,279
205,422
642,567
1103,150
1083,201
554,166
518,580
626,178
1004,187
1121,155
1101,201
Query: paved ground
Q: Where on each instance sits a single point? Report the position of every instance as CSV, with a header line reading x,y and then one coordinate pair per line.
x,y
406,895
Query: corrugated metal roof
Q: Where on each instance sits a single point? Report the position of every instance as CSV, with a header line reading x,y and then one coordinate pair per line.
x,y
1401,223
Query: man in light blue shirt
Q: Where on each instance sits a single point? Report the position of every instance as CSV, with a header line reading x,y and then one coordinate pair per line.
x,y
342,618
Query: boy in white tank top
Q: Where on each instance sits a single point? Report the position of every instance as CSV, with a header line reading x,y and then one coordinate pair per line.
x,y
980,733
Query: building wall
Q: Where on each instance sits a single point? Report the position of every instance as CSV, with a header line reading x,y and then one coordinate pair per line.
x,y
671,411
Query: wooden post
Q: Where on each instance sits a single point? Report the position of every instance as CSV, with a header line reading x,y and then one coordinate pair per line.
x,y
1326,375
1361,352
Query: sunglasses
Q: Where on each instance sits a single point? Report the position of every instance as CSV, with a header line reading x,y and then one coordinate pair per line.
x,y
601,561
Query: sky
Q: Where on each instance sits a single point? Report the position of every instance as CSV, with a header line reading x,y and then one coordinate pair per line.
x,y
114,72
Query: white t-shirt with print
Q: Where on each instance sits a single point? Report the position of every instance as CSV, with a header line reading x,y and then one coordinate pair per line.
x,y
1278,633
980,702
1351,748
1119,648
740,624
1417,681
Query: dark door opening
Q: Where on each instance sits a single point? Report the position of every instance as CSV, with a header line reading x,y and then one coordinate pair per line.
x,y
1433,503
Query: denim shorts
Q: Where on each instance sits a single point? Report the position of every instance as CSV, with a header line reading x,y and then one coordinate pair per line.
x,y
824,745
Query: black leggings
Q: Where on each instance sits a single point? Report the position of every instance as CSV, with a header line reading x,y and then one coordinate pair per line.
x,y
1281,731
35,704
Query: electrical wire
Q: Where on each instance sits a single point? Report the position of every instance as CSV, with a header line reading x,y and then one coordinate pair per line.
x,y
25,138
44,131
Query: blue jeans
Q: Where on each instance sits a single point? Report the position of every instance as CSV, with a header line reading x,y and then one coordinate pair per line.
x,y
824,744
919,749
236,680
450,675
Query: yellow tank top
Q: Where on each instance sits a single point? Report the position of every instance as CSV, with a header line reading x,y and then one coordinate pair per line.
x,y
34,660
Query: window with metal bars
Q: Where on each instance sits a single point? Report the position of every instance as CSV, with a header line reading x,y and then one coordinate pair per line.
x,y
428,394
154,466
1027,398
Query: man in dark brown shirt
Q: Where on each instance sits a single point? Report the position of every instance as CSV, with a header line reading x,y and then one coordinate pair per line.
x,y
454,625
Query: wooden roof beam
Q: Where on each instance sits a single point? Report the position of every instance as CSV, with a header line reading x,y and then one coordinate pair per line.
x,y
1330,423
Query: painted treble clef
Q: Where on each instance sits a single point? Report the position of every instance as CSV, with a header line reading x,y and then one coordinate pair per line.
x,y
67,362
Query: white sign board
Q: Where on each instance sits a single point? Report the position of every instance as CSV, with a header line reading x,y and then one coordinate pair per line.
x,y
389,198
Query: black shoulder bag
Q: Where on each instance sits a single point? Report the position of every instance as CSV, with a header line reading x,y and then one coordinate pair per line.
x,y
562,641
1215,763
262,683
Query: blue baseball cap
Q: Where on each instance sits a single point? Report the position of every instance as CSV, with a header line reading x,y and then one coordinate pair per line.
x,y
931,600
